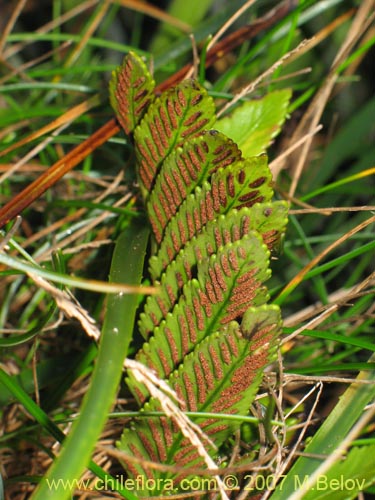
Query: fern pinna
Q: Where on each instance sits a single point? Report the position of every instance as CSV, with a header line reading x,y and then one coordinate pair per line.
x,y
209,333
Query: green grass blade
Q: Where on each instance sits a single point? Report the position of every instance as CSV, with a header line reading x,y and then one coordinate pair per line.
x,y
127,264
331,433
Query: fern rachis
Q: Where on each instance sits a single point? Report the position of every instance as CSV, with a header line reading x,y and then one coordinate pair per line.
x,y
210,333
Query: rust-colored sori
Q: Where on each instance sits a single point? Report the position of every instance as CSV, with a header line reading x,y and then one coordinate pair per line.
x,y
210,332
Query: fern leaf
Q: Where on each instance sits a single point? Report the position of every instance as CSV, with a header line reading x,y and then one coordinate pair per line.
x,y
176,116
131,90
227,284
268,219
243,183
185,169
255,123
220,376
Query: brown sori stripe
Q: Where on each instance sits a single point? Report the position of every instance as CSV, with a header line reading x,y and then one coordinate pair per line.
x,y
206,303
170,253
154,318
184,330
258,182
216,362
222,193
210,292
178,110
209,206
164,199
180,192
207,371
214,429
140,94
181,99
131,468
249,196
236,232
215,195
149,445
194,161
146,166
138,394
203,212
154,154
218,237
189,314
182,231
210,249
270,238
171,295
194,128
230,185
226,235
167,431
233,260
156,136
173,348
163,306
241,176
158,437
164,360
197,219
159,217
187,266
217,290
189,388
175,242
171,113
199,384
245,225
190,225
139,81
196,99
180,280
226,353
225,265
140,108
182,170
220,280
169,189
161,134
165,120
199,313
192,119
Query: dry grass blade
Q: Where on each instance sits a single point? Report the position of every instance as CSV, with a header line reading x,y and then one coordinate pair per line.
x,y
335,455
71,14
190,430
248,89
300,276
69,305
8,28
66,118
152,11
56,171
95,22
360,24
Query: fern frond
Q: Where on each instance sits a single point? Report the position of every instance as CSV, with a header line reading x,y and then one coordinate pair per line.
x,y
243,183
185,169
221,375
269,219
131,91
227,284
176,116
